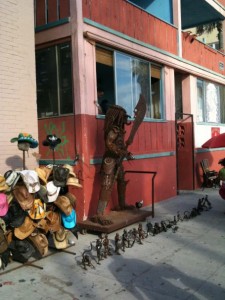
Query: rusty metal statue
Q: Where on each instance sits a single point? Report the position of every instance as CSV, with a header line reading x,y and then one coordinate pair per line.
x,y
115,152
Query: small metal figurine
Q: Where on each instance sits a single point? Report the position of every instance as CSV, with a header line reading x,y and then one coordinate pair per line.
x,y
106,246
157,228
141,233
124,240
118,244
86,261
99,251
163,226
150,228
179,218
135,234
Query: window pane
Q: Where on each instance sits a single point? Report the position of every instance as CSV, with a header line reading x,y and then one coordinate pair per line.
x,y
222,104
212,103
47,98
200,101
65,79
124,95
105,79
141,85
156,112
132,79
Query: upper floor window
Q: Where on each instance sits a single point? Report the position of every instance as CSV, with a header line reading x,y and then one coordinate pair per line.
x,y
162,9
54,80
210,102
121,79
48,13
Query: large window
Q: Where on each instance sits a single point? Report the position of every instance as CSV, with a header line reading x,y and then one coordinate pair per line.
x,y
210,102
121,78
54,81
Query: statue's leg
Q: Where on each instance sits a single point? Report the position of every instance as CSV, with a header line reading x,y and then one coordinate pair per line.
x,y
121,190
107,183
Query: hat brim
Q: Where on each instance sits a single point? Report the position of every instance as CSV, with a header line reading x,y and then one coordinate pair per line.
x,y
24,230
54,197
60,243
4,187
33,143
71,181
13,140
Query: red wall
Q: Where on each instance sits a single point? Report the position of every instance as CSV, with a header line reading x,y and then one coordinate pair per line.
x,y
55,13
126,18
87,141
201,54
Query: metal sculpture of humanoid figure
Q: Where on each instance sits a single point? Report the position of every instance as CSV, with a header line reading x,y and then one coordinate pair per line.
x,y
112,168
115,152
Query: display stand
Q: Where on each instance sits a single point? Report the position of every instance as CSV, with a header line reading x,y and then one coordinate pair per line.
x,y
122,218
31,263
24,160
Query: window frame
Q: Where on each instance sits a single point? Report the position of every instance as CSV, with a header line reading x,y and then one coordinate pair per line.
x,y
150,65
56,48
205,112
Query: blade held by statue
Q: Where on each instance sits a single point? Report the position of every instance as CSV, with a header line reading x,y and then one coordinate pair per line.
x,y
139,114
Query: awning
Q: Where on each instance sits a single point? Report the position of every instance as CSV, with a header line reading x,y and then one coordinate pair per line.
x,y
215,142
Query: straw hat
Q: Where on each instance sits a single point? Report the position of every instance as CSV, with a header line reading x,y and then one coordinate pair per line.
x,y
53,220
24,198
60,238
41,174
74,182
44,173
63,203
72,198
40,242
38,210
25,229
3,185
11,178
70,168
3,242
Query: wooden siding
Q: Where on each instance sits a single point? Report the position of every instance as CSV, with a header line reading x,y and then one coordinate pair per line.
x,y
52,12
152,137
62,127
132,21
201,54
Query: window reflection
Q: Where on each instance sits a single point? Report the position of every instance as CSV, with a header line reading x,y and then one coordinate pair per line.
x,y
123,78
54,80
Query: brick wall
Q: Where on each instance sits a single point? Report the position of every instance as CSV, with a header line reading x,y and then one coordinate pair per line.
x,y
18,111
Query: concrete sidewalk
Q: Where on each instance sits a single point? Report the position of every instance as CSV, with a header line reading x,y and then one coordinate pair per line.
x,y
186,264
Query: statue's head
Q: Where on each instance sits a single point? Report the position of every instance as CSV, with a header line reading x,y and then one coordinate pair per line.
x,y
116,116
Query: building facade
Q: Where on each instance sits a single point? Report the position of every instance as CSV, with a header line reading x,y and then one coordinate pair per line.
x,y
92,53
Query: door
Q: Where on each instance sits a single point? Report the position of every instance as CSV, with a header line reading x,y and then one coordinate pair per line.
x,y
185,152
